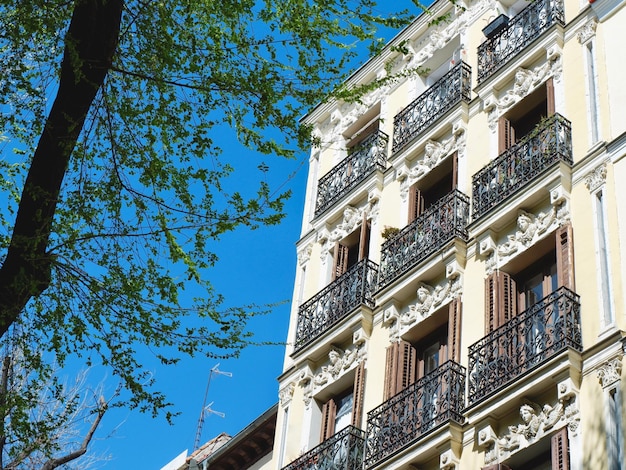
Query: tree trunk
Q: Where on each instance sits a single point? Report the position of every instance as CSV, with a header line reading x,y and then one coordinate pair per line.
x,y
90,43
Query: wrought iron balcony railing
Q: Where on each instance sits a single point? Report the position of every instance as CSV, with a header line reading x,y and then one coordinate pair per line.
x,y
524,342
364,159
548,143
338,299
343,451
404,418
432,104
445,220
522,29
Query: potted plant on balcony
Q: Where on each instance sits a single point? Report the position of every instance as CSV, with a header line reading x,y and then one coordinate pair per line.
x,y
497,25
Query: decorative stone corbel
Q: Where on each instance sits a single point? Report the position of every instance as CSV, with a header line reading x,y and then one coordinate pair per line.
x,y
596,178
610,372
587,31
285,394
448,461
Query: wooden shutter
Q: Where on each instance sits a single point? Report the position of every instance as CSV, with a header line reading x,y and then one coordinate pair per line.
x,y
560,450
565,256
358,392
416,203
500,300
340,262
506,134
400,369
550,96
454,330
329,412
497,466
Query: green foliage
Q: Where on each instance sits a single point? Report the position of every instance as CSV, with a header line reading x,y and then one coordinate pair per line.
x,y
148,193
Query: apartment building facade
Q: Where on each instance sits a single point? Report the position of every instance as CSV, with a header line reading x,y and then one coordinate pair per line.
x,y
459,295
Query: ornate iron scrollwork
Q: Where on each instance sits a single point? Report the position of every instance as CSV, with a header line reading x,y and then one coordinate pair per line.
x,y
431,105
338,299
366,157
433,400
343,451
445,220
550,142
524,342
522,29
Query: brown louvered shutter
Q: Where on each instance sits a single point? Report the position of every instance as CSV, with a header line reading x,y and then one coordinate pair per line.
x,y
500,300
416,203
550,96
497,466
506,134
329,412
454,330
560,450
565,256
358,392
400,368
340,260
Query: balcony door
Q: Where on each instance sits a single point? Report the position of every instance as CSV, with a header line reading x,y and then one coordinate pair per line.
x,y
524,116
352,249
440,182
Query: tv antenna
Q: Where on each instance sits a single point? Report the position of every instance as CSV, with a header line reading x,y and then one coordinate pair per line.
x,y
206,409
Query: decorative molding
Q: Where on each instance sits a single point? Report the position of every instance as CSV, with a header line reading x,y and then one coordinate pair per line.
x,y
429,300
587,31
526,81
285,394
434,153
536,422
610,372
339,362
448,460
596,177
530,229
304,254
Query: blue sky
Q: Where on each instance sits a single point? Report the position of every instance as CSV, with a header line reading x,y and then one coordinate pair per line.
x,y
255,266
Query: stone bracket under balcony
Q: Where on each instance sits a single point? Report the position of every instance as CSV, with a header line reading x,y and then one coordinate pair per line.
x,y
524,343
446,220
367,157
522,164
342,451
426,109
335,302
416,411
520,31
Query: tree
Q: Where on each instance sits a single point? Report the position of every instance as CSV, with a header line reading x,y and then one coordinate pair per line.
x,y
45,423
117,191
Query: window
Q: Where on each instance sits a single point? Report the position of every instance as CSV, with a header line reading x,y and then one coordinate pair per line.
x,y
345,408
614,435
552,454
592,92
412,359
352,249
602,256
507,294
441,181
524,117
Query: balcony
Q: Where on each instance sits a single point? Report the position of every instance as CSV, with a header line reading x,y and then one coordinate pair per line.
x,y
336,301
364,159
522,29
343,451
549,143
443,221
450,89
403,419
524,342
